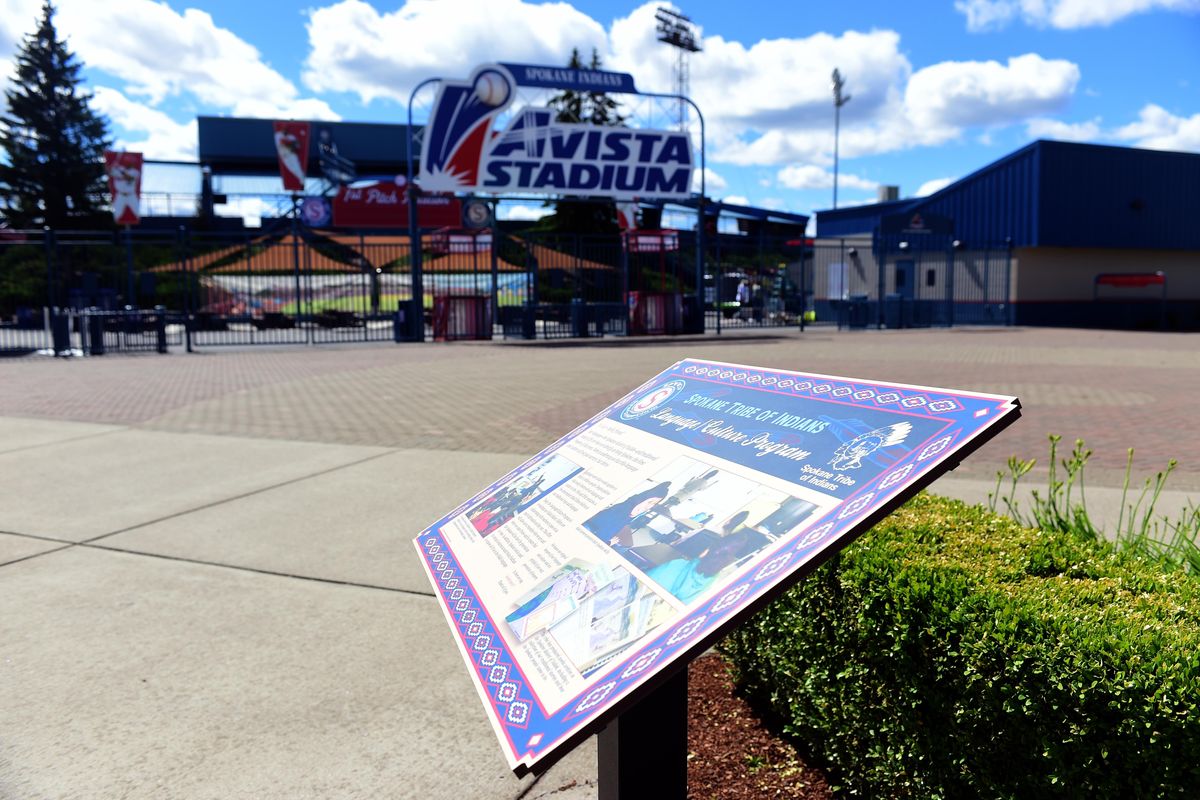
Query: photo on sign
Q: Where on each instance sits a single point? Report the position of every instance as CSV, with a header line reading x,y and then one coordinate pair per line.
x,y
521,493
690,525
556,596
608,621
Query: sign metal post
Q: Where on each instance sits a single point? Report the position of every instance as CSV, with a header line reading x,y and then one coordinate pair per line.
x,y
643,752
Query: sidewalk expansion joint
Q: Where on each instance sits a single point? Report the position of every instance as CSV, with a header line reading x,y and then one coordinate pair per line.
x,y
255,570
41,445
242,496
34,555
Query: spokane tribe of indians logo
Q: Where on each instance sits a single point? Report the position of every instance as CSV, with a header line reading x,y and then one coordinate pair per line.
x,y
652,400
534,153
851,453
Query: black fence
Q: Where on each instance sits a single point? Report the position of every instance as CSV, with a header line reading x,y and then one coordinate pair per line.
x,y
861,283
290,284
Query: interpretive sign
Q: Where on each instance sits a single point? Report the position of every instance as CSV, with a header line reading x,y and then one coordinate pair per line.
x,y
627,546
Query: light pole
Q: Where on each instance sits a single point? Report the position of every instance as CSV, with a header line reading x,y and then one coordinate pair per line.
x,y
839,100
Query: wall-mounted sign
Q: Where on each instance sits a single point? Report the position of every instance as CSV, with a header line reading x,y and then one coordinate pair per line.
x,y
125,185
625,548
384,204
291,147
477,214
315,212
916,223
580,80
533,153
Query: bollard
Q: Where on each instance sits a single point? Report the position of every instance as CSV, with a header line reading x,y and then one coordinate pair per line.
x,y
160,328
60,333
95,334
529,322
579,314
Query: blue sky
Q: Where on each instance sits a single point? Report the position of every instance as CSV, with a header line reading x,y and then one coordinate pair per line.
x,y
940,87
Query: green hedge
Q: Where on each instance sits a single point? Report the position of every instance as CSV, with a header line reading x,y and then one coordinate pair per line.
x,y
951,653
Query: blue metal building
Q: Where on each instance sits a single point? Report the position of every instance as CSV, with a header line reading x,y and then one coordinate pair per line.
x,y
1087,226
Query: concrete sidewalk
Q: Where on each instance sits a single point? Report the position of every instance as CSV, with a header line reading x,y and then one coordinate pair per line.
x,y
197,616
207,583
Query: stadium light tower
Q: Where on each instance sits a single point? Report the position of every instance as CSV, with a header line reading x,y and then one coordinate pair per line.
x,y
678,31
839,100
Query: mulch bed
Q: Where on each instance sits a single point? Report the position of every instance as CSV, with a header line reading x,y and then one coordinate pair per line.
x,y
732,754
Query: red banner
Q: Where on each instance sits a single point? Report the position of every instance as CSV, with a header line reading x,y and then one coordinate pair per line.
x,y
384,204
125,184
291,145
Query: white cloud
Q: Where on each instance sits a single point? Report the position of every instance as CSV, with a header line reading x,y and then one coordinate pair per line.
x,y
162,53
984,15
522,212
765,103
712,181
936,185
355,48
1159,129
17,18
808,176
736,200
954,94
1043,128
162,137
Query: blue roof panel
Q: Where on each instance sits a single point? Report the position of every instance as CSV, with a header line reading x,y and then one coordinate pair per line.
x,y
1059,194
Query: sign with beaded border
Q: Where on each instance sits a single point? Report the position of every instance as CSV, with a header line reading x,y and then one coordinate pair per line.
x,y
846,450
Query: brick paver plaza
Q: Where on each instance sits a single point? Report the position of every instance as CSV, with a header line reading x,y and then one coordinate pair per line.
x,y
1116,390
207,587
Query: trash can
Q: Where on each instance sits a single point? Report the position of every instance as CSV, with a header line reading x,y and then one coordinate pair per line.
x,y
467,316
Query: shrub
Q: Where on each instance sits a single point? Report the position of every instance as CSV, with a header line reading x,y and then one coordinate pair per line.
x,y
952,653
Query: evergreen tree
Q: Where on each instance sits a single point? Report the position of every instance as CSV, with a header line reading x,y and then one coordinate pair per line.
x,y
53,142
595,108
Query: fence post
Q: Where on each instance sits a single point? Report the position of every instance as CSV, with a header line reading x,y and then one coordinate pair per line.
x,y
48,241
296,259
881,268
417,329
1008,293
955,246
130,290
185,262
803,282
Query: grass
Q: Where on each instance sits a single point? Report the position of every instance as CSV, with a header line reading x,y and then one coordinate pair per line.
x,y
387,303
1173,541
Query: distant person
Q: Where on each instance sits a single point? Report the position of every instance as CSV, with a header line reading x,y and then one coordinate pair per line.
x,y
743,298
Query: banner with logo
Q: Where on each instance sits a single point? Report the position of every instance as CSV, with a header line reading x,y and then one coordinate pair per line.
x,y
535,154
125,185
291,146
623,549
384,204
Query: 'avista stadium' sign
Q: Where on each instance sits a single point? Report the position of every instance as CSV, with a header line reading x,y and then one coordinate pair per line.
x,y
535,154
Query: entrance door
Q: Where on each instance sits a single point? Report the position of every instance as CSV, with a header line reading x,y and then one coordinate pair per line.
x,y
905,279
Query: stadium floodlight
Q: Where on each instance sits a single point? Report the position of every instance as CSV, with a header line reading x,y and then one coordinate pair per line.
x,y
839,100
678,31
